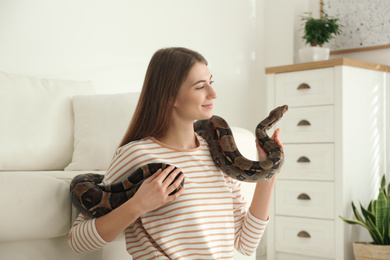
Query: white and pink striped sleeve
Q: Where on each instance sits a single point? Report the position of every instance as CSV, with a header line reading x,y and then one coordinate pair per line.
x,y
248,229
83,236
250,235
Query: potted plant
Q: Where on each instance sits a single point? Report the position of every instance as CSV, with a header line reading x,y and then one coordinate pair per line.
x,y
316,33
376,219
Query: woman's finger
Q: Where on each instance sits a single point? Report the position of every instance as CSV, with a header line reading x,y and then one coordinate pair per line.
x,y
275,137
170,179
278,142
176,195
174,185
163,175
275,134
154,176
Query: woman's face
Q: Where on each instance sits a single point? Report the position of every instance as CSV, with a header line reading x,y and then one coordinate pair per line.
x,y
195,98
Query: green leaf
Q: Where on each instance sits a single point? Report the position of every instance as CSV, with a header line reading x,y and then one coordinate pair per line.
x,y
376,215
354,222
383,183
374,206
388,190
370,207
367,214
356,213
388,231
319,31
374,232
381,210
386,234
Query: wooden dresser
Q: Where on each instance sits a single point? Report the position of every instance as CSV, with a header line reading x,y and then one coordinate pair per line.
x,y
335,152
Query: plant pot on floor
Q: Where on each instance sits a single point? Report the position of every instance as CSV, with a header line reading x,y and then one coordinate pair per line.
x,y
370,251
311,54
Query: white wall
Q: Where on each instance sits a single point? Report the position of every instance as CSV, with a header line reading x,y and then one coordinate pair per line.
x,y
279,32
111,43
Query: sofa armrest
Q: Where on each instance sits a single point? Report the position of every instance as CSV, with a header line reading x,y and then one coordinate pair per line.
x,y
34,206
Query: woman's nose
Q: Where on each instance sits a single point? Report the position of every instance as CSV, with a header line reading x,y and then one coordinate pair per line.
x,y
211,93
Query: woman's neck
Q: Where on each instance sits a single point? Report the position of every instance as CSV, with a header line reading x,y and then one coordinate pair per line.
x,y
180,136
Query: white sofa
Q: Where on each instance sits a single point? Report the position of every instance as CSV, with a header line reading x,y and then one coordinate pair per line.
x,y
52,130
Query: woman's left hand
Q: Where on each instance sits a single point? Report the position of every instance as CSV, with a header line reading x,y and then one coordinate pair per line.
x,y
262,197
275,137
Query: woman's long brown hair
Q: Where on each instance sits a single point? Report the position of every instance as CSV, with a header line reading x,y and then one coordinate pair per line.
x,y
166,72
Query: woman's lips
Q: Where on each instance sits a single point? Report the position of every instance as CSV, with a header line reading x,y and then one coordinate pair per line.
x,y
210,106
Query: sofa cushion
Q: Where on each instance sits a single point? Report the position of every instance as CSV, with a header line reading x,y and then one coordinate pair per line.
x,y
36,118
34,206
100,124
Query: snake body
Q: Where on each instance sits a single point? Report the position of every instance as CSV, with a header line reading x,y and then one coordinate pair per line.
x,y
93,199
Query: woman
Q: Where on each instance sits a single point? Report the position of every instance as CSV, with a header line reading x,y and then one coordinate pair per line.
x,y
205,220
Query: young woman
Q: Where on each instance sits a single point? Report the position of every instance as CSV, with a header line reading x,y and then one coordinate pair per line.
x,y
207,219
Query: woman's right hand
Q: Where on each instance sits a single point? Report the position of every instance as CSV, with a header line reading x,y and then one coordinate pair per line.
x,y
154,191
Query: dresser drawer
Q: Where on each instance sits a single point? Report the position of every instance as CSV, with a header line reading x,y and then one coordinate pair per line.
x,y
305,199
308,162
305,236
305,88
308,125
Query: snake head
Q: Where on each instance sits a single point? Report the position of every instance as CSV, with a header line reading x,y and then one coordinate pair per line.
x,y
274,116
278,112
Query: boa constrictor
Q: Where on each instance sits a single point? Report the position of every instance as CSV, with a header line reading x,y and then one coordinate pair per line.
x,y
93,199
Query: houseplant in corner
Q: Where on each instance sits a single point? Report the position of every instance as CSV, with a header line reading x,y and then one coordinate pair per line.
x,y
376,219
316,33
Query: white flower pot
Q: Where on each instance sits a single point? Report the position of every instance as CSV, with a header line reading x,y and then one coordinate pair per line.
x,y
313,54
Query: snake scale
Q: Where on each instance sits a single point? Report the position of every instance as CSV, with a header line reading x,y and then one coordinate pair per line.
x,y
93,199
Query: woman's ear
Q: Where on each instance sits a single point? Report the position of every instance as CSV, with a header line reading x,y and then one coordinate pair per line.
x,y
170,101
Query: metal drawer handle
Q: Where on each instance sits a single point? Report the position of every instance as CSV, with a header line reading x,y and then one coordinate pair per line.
x,y
304,123
303,86
304,234
303,196
303,159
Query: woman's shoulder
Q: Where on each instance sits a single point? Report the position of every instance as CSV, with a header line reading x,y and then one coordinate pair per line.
x,y
136,145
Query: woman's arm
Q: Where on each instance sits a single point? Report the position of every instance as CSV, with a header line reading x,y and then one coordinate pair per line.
x,y
248,229
263,192
88,235
250,226
153,193
83,236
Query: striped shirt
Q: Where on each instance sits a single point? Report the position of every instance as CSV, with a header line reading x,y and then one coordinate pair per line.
x,y
207,221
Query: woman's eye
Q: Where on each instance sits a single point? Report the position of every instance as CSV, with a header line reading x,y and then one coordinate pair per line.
x,y
202,87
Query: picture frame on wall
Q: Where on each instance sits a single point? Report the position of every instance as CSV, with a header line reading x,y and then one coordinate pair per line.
x,y
365,24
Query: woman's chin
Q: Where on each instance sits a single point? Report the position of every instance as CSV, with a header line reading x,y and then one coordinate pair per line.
x,y
205,117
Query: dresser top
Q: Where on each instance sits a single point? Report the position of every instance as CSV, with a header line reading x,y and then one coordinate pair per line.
x,y
327,64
